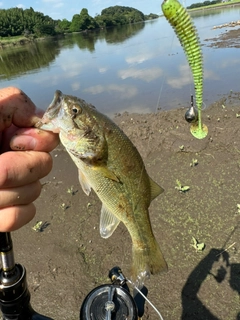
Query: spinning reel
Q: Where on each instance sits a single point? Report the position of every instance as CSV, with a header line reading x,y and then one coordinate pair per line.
x,y
110,301
107,302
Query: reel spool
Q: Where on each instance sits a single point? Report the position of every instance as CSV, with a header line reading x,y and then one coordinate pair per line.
x,y
110,301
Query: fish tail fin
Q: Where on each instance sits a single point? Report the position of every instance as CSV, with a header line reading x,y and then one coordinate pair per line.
x,y
147,261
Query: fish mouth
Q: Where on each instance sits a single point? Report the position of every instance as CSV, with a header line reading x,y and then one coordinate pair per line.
x,y
52,112
55,105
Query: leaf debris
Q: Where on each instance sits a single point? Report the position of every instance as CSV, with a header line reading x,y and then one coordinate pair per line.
x,y
197,245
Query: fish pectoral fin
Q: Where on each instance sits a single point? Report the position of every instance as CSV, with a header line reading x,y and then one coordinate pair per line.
x,y
106,172
155,189
84,182
108,223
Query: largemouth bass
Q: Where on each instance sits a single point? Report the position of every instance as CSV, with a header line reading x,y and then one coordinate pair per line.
x,y
109,164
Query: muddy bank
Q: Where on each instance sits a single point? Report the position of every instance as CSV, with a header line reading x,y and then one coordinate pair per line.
x,y
228,39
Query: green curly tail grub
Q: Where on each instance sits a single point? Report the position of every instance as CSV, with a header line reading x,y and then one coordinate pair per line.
x,y
184,28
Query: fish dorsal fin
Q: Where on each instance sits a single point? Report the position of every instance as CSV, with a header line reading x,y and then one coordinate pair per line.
x,y
84,182
108,223
155,189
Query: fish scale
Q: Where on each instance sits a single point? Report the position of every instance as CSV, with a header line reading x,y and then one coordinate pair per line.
x,y
109,164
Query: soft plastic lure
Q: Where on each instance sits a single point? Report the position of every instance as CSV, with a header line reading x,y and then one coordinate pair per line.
x,y
183,26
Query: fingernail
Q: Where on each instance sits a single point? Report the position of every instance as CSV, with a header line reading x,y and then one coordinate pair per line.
x,y
23,142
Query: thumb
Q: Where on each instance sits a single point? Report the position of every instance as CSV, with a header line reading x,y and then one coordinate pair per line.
x,y
16,108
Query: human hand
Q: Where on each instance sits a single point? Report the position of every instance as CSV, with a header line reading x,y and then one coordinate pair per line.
x,y
20,171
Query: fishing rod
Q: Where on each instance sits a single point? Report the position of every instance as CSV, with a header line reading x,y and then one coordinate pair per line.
x,y
105,302
14,293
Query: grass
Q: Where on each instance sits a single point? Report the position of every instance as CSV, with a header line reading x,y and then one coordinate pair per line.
x,y
13,40
224,4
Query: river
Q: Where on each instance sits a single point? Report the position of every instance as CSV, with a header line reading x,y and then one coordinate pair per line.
x,y
136,68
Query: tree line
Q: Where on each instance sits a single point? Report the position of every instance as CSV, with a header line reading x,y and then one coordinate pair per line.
x,y
16,21
203,4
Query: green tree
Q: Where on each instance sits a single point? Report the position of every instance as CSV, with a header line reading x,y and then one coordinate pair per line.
x,y
83,21
63,25
119,15
104,21
151,16
76,23
44,29
86,20
16,21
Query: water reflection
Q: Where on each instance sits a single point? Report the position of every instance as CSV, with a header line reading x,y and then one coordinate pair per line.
x,y
135,68
213,12
85,41
122,33
206,13
119,34
20,60
143,74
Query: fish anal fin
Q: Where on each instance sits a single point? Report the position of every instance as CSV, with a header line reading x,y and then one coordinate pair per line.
x,y
84,182
155,189
108,223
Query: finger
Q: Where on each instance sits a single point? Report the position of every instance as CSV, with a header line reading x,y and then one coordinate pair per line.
x,y
34,139
6,138
20,195
17,108
18,168
13,218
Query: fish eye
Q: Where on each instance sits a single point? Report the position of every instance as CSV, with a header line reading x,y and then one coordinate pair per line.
x,y
76,110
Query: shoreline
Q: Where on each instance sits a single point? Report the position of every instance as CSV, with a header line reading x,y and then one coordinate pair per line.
x,y
10,42
215,6
24,41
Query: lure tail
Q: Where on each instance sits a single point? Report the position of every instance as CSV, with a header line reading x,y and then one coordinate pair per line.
x,y
183,26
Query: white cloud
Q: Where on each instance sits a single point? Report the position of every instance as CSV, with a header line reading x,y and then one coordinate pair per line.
x,y
185,77
71,69
144,74
54,3
102,70
59,5
75,86
229,62
209,74
125,91
46,79
20,5
182,79
96,89
139,58
67,70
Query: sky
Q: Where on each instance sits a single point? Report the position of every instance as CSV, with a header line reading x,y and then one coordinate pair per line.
x,y
60,9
